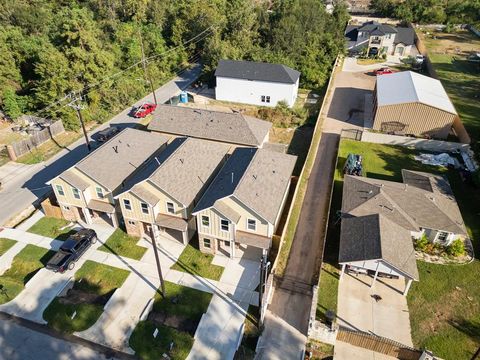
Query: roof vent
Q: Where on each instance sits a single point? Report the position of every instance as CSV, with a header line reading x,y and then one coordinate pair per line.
x,y
197,111
255,177
181,160
115,148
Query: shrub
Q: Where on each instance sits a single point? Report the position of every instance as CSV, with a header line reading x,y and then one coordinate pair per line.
x,y
456,248
422,243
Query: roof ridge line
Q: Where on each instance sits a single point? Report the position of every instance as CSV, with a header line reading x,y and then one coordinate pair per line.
x,y
249,128
168,158
245,172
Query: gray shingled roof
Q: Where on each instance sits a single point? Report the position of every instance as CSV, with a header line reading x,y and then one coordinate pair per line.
x,y
407,204
404,35
251,70
256,177
377,29
374,237
119,157
186,171
233,128
76,181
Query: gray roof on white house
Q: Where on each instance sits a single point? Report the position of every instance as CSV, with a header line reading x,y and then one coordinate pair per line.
x,y
410,87
410,204
251,70
120,157
377,28
375,237
234,128
258,178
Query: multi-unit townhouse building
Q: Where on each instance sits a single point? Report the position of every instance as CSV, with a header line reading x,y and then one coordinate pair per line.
x,y
231,128
85,192
159,202
241,209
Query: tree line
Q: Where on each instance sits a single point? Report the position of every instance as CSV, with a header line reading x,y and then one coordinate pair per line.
x,y
51,48
448,12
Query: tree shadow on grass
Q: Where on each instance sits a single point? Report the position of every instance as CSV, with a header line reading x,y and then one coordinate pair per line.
x,y
469,328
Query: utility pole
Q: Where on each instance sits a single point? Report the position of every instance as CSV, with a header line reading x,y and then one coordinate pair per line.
x,y
78,106
155,250
147,75
264,265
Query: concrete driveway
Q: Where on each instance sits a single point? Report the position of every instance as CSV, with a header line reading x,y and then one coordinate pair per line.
x,y
388,317
24,184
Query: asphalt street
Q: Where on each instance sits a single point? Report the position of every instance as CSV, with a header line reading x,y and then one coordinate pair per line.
x,y
24,184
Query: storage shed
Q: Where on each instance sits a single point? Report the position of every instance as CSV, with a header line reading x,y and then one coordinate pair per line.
x,y
410,103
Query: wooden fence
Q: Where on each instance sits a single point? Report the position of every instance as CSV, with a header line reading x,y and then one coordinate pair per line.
x,y
378,344
51,209
39,137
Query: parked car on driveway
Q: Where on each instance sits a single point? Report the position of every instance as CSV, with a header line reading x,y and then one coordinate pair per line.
x,y
144,110
383,71
71,250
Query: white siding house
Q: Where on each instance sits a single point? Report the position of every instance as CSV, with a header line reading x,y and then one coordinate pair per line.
x,y
256,83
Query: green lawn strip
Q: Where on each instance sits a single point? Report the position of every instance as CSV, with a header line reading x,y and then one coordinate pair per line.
x,y
193,261
149,348
120,243
327,291
92,278
24,266
250,335
443,317
50,227
184,301
5,245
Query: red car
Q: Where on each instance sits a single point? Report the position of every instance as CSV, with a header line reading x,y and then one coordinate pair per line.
x,y
144,110
383,71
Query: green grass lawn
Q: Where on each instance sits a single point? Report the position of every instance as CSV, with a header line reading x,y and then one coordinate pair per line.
x,y
26,264
328,290
251,333
120,243
92,278
444,319
181,301
459,77
193,261
149,348
50,227
5,245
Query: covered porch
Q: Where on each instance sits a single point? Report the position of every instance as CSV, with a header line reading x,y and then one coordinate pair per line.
x,y
172,228
100,212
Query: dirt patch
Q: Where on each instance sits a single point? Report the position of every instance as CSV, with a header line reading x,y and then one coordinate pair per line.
x,y
76,296
175,321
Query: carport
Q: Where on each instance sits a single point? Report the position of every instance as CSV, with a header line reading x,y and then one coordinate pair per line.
x,y
373,244
172,228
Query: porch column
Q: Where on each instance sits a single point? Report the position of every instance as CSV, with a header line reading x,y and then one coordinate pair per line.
x,y
232,248
407,287
376,274
343,270
114,219
88,218
185,237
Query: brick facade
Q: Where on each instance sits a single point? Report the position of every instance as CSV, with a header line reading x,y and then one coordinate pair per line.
x,y
134,227
70,213
213,244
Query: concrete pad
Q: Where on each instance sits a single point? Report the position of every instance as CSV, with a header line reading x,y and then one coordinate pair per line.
x,y
389,317
198,283
345,351
220,260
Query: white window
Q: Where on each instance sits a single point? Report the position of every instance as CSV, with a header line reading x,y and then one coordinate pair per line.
x,y
252,224
207,243
262,98
224,224
127,204
99,192
442,237
60,190
268,99
205,221
76,193
144,207
170,207
66,207
132,223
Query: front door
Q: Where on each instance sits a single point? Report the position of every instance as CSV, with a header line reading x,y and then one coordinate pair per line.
x,y
224,247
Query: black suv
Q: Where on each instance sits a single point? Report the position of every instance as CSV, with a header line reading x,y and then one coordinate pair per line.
x,y
71,250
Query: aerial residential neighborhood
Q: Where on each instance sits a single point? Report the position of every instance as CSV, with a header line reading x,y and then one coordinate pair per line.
x,y
240,180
